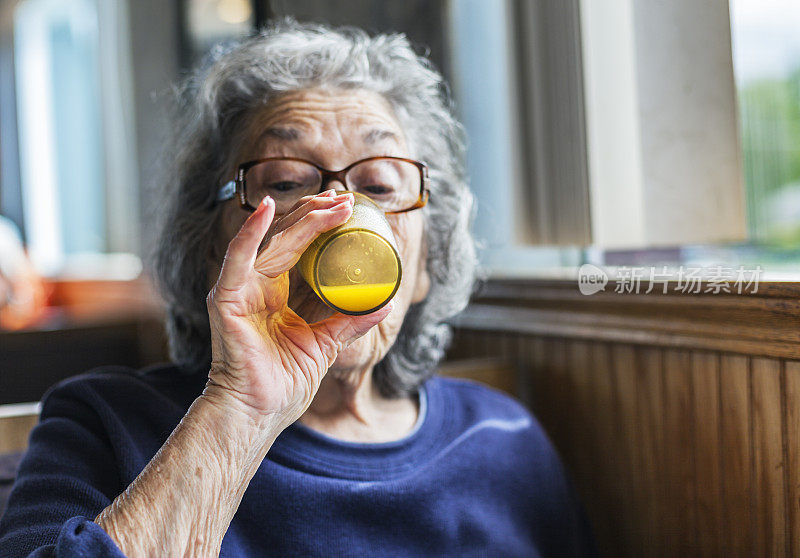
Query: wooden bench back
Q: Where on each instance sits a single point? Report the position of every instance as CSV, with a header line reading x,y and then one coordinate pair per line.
x,y
16,423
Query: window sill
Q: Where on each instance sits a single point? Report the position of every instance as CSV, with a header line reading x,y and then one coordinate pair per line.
x,y
765,323
778,264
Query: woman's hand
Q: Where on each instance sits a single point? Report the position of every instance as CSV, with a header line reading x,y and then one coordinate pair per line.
x,y
267,365
266,360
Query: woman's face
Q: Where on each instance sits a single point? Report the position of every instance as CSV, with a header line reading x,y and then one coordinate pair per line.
x,y
333,130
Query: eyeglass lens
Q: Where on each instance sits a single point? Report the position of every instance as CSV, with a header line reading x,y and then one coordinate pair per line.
x,y
393,184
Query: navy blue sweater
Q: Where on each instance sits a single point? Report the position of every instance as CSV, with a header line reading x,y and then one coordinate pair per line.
x,y
476,477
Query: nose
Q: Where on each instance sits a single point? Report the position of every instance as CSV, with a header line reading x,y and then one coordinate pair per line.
x,y
334,183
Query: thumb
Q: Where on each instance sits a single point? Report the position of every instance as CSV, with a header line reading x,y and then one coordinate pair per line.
x,y
338,331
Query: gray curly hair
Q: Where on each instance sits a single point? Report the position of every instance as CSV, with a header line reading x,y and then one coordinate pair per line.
x,y
238,80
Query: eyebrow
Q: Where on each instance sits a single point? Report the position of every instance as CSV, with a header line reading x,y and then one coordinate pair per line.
x,y
287,134
291,134
376,135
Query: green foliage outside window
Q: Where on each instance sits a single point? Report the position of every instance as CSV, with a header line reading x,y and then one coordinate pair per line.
x,y
769,116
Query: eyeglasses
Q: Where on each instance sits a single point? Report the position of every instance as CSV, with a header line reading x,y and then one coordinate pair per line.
x,y
397,185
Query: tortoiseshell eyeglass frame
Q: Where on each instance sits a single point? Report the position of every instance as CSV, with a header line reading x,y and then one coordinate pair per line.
x,y
238,188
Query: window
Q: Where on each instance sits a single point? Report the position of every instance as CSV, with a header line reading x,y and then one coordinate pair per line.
x,y
671,135
516,79
766,49
55,46
602,132
73,151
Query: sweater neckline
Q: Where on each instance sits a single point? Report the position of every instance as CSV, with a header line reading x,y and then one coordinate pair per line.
x,y
302,448
422,412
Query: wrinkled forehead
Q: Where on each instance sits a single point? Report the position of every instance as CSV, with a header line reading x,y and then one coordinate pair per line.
x,y
328,124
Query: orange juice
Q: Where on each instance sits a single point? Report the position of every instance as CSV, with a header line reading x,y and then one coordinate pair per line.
x,y
355,267
357,298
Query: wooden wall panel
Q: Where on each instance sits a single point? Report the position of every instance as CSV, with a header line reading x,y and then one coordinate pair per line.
x,y
674,451
767,442
678,416
708,457
651,485
577,413
792,428
736,507
679,454
628,470
611,495
14,432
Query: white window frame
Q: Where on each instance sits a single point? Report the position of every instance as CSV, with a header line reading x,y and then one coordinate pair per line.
x,y
39,220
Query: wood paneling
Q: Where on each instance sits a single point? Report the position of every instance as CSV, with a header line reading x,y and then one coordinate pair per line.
x,y
90,324
677,448
14,432
492,372
679,426
707,457
630,471
765,323
792,428
767,441
736,504
33,361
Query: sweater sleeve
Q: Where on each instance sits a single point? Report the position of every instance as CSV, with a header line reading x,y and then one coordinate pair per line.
x,y
67,477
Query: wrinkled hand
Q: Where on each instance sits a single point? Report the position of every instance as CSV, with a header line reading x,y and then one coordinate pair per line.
x,y
266,360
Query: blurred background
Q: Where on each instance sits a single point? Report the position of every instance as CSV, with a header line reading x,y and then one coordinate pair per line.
x,y
597,128
612,132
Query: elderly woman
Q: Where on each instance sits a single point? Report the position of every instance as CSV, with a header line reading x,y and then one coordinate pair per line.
x,y
283,428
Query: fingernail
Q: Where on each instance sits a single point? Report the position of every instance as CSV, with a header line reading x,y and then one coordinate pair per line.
x,y
266,201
